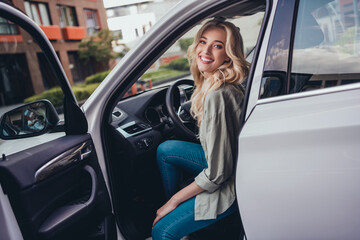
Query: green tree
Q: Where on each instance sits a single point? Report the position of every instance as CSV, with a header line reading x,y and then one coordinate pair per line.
x,y
99,48
185,43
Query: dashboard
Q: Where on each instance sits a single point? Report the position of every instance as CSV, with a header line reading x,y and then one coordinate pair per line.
x,y
142,121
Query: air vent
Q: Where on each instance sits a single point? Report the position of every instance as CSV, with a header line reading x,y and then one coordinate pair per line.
x,y
117,113
134,128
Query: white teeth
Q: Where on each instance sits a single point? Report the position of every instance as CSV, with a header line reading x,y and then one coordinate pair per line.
x,y
206,60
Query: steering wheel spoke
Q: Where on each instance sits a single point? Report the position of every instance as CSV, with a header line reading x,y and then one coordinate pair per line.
x,y
181,118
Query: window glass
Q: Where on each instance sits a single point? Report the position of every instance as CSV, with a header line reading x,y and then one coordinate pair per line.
x,y
327,45
35,14
92,23
274,79
7,28
173,64
25,74
38,12
67,16
44,14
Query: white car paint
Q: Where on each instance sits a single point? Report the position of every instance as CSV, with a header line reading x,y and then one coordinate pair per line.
x,y
299,168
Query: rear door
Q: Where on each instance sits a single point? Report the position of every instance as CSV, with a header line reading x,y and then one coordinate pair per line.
x,y
52,186
298,172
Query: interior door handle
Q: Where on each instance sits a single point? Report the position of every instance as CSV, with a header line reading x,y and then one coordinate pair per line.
x,y
64,160
66,216
87,153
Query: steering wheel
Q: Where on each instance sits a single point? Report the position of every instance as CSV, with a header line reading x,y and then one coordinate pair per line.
x,y
182,118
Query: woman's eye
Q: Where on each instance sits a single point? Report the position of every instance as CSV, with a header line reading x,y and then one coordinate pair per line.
x,y
218,46
202,42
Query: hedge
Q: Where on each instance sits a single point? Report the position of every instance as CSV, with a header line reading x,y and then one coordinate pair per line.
x,y
83,91
97,78
162,74
181,64
55,95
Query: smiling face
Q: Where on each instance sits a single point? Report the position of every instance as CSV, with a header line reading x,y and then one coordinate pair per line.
x,y
210,51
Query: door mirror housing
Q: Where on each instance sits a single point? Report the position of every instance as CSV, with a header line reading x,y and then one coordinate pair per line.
x,y
32,119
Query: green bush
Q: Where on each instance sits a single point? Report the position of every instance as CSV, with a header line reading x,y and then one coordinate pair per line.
x,y
185,43
96,78
83,92
54,95
180,64
162,74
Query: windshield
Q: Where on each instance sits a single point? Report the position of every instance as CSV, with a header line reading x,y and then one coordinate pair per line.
x,y
173,64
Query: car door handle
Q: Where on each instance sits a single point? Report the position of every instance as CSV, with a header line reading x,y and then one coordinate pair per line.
x,y
65,216
62,161
87,153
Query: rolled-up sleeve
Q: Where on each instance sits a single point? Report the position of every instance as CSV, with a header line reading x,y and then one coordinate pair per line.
x,y
217,142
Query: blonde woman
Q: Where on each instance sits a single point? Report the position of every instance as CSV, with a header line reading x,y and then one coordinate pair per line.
x,y
218,66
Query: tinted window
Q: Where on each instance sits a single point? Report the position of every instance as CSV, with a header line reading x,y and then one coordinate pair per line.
x,y
326,46
274,80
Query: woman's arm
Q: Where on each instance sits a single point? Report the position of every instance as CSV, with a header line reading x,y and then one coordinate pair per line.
x,y
184,194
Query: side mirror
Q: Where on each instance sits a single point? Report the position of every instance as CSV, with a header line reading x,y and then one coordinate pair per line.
x,y
28,120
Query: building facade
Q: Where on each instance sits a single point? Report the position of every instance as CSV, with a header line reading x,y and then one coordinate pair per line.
x,y
65,23
131,19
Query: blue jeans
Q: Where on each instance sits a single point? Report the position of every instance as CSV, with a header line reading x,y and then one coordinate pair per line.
x,y
174,158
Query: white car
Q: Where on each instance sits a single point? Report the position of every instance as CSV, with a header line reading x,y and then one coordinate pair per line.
x,y
298,165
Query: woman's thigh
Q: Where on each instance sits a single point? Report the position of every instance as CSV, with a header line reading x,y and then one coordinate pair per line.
x,y
180,222
185,155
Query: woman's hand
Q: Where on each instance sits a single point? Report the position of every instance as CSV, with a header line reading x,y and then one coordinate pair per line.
x,y
184,194
164,210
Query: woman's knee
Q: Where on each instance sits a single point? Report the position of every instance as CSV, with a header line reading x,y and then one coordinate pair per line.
x,y
165,149
159,232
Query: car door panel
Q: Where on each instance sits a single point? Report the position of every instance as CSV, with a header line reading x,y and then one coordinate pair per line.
x,y
67,200
293,154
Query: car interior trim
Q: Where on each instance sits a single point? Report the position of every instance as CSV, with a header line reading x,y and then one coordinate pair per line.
x,y
140,128
63,160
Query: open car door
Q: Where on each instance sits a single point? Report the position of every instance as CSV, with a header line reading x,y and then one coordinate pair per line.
x,y
52,186
298,174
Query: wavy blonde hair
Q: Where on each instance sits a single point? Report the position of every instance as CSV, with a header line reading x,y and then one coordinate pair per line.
x,y
233,71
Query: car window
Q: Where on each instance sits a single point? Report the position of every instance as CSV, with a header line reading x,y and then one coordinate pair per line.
x,y
25,76
326,45
173,64
324,51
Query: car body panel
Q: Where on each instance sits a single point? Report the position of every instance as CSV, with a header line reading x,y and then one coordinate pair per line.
x,y
290,163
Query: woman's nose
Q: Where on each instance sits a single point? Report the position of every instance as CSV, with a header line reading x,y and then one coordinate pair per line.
x,y
207,49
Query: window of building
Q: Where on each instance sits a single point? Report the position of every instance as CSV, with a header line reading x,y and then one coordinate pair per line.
x,y
79,71
38,12
67,16
7,28
144,29
136,32
121,11
92,21
110,13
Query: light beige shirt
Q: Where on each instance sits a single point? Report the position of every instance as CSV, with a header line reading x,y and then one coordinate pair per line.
x,y
218,132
